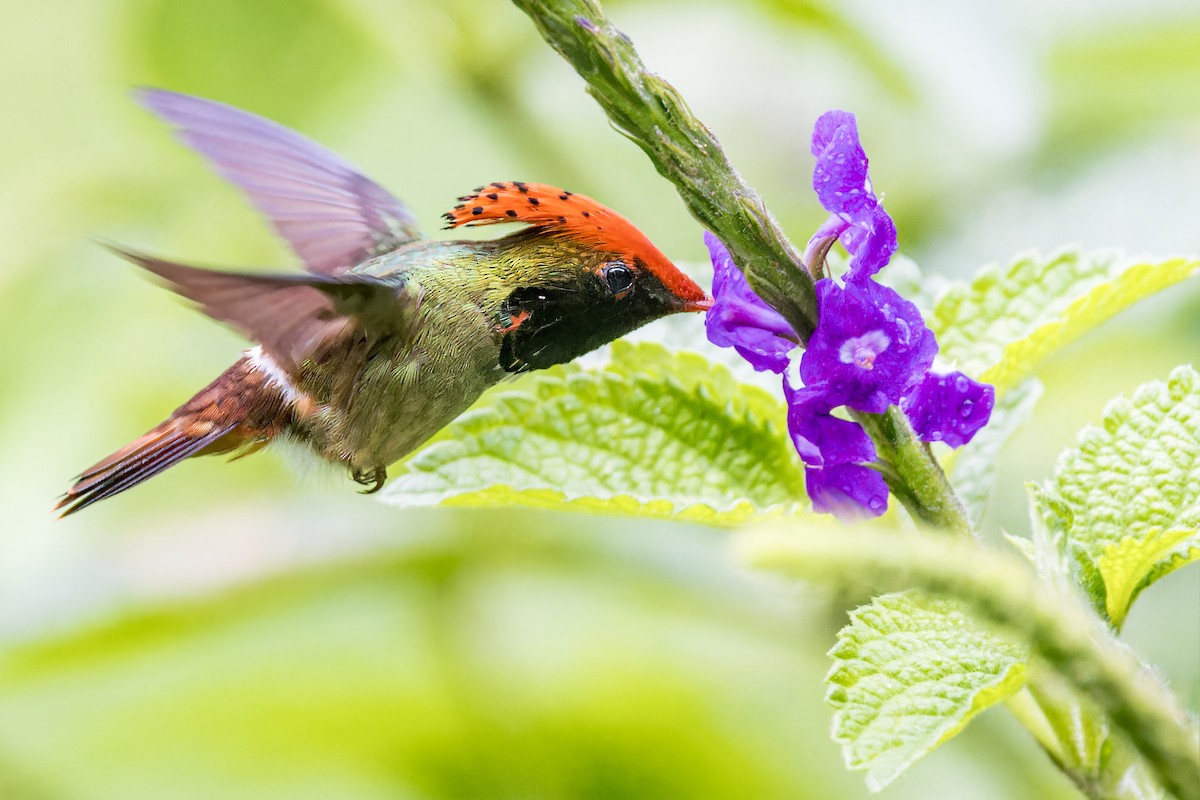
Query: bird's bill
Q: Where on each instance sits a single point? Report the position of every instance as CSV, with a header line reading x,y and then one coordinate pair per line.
x,y
703,304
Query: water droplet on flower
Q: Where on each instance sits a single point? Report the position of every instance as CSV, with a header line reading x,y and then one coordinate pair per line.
x,y
876,504
960,383
935,435
965,409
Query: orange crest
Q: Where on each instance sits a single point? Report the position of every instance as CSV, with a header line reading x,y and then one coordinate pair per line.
x,y
576,216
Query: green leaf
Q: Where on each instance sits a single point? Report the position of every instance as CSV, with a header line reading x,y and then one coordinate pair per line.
x,y
910,671
975,465
1049,518
653,433
1001,325
1128,497
1130,565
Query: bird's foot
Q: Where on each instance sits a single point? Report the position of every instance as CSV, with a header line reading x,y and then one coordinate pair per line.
x,y
377,476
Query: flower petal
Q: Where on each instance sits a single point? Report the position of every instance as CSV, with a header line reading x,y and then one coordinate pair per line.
x,y
871,245
840,176
848,491
870,346
827,125
821,439
949,408
740,319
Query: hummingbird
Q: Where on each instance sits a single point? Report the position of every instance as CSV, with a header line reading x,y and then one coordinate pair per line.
x,y
388,335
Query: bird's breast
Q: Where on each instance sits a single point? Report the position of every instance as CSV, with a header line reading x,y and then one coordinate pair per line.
x,y
375,401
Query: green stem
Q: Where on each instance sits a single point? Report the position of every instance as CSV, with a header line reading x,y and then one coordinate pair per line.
x,y
1062,630
1029,713
650,112
915,477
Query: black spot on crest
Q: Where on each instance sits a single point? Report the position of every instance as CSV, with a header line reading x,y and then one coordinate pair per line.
x,y
493,196
512,212
477,210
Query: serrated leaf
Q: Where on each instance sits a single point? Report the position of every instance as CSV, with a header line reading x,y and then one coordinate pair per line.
x,y
1048,521
998,327
1128,497
652,433
975,465
1130,565
910,671
621,505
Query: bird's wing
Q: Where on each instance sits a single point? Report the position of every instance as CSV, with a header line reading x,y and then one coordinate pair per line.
x,y
293,316
331,214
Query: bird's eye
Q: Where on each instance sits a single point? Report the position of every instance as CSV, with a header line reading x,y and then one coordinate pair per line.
x,y
617,277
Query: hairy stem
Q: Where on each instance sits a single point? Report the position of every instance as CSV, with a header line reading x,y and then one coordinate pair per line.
x,y
650,112
1077,739
1062,630
916,478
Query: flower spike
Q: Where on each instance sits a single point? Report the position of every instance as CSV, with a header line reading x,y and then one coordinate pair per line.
x,y
870,350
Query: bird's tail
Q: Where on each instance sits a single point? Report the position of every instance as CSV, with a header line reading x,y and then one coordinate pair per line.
x,y
240,410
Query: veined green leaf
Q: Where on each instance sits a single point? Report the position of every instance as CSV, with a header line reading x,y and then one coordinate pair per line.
x,y
1128,496
653,433
1130,565
620,505
1001,325
910,671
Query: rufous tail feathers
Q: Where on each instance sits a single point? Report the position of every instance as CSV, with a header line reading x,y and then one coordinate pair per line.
x,y
240,410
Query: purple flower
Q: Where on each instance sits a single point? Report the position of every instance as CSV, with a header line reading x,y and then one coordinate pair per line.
x,y
740,319
870,350
820,438
870,345
949,408
834,450
844,188
848,491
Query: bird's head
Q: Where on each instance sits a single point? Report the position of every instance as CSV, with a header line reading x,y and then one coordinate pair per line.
x,y
581,274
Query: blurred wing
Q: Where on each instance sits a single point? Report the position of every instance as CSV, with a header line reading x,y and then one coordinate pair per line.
x,y
293,316
331,215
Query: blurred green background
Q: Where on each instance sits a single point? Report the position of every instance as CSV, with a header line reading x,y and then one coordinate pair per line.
x,y
237,630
